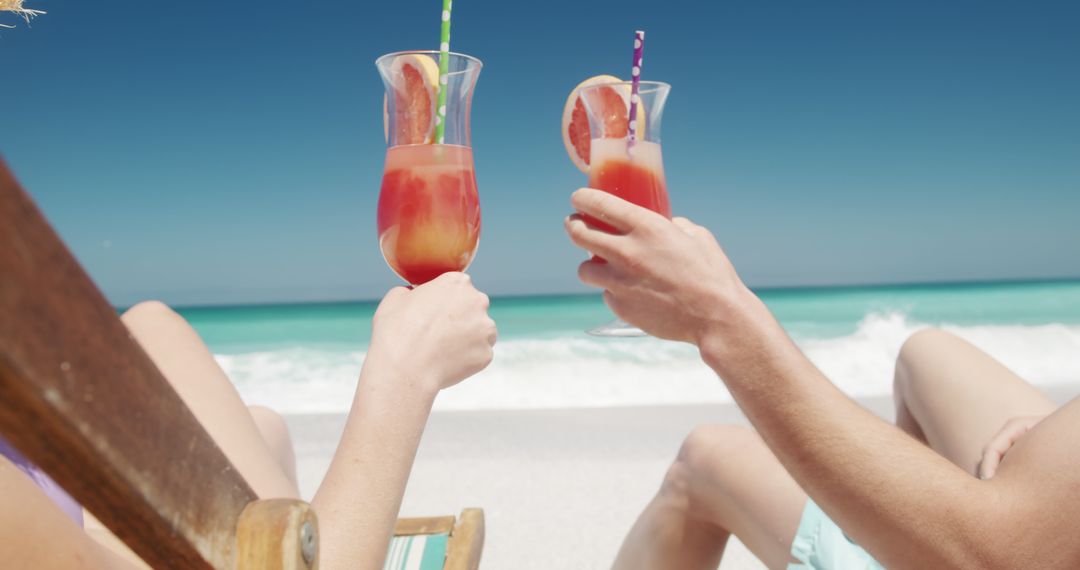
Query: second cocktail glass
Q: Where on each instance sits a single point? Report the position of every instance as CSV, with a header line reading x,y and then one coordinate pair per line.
x,y
631,169
429,208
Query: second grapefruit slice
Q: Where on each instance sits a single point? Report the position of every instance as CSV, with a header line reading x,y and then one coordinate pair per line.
x,y
576,133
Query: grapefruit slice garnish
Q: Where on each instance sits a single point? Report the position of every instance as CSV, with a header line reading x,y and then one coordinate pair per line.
x,y
575,122
416,80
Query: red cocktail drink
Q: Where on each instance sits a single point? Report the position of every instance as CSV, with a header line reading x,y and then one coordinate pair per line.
x,y
634,173
429,211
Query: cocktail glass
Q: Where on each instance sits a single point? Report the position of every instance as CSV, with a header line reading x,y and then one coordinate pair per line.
x,y
630,168
429,208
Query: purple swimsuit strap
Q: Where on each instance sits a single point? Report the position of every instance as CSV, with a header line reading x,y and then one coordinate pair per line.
x,y
51,489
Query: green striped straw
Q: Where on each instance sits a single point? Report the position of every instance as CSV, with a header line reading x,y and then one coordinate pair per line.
x,y
444,70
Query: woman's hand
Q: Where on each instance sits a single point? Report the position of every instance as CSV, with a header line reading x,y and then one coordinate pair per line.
x,y
437,334
669,277
995,451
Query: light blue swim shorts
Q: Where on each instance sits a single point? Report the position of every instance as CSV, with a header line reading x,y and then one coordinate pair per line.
x,y
820,545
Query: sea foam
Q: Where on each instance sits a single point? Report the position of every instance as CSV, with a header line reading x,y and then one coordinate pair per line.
x,y
577,371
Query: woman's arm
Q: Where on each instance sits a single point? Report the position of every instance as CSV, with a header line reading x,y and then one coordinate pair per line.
x,y
423,340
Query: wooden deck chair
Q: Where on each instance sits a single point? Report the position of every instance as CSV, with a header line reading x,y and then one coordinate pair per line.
x,y
80,398
427,539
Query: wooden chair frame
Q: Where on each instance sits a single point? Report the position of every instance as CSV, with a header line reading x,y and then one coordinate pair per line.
x,y
466,542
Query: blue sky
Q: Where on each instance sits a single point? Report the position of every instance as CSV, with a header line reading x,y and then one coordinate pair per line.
x,y
232,152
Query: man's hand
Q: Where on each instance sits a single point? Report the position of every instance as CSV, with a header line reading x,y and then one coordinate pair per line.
x,y
1001,444
668,277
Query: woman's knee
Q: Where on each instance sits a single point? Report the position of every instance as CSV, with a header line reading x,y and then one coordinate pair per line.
x,y
149,312
271,426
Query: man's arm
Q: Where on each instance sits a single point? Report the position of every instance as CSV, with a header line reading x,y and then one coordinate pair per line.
x,y
908,506
904,503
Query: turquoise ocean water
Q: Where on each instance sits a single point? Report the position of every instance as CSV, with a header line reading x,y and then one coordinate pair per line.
x,y
306,357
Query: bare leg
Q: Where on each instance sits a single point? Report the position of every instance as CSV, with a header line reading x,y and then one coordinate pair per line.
x,y
255,440
189,366
273,430
955,397
275,433
34,533
724,480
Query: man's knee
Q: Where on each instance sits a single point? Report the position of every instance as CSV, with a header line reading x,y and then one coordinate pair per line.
x,y
706,449
925,341
923,346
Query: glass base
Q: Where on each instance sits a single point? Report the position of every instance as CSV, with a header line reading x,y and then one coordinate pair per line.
x,y
617,328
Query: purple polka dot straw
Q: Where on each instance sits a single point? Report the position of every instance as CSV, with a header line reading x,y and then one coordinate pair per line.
x,y
635,79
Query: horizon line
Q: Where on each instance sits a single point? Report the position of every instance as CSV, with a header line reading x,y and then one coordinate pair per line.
x,y
957,283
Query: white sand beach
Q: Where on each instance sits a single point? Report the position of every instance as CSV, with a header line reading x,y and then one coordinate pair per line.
x,y
559,488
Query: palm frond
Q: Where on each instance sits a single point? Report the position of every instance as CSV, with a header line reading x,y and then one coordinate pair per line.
x,y
16,7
